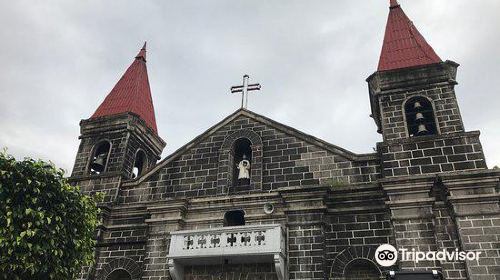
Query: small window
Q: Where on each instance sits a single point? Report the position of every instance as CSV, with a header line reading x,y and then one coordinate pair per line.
x,y
140,164
99,158
234,218
420,118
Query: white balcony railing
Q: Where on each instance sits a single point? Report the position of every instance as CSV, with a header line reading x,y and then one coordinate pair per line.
x,y
240,244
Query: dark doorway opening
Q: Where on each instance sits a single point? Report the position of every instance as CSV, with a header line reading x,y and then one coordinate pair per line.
x,y
361,269
234,218
119,274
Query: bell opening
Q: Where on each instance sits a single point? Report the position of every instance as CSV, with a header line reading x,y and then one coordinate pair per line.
x,y
99,159
420,118
140,164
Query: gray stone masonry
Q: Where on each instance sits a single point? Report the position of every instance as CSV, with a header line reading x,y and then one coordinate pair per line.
x,y
390,89
335,207
358,222
447,238
289,158
254,271
432,154
126,134
474,197
452,211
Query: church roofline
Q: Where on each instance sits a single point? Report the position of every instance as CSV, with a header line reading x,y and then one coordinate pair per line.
x,y
245,112
403,45
132,93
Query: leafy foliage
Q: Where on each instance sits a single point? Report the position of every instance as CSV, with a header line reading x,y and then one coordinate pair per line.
x,y
46,225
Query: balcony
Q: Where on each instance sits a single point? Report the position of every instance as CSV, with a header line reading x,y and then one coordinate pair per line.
x,y
240,244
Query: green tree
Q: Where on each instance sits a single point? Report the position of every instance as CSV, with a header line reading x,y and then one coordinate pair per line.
x,y
46,225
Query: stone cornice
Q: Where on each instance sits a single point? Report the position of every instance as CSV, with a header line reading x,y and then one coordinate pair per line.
x,y
119,123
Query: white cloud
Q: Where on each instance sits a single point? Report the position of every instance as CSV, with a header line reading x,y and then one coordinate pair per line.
x,y
61,58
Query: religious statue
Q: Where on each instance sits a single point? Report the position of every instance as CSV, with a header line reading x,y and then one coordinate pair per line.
x,y
244,170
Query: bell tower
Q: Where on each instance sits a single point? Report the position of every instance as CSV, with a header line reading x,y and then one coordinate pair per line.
x,y
414,105
120,140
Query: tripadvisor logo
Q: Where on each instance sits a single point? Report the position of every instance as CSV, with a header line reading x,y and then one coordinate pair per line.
x,y
387,255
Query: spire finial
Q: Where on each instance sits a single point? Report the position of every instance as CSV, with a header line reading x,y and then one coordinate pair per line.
x,y
142,53
403,45
131,94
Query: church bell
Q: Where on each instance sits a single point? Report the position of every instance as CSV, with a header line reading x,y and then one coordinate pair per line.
x,y
417,105
98,163
422,129
419,117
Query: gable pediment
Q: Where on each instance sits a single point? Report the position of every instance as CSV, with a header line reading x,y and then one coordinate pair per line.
x,y
288,157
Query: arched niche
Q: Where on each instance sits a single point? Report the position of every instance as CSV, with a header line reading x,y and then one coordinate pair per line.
x,y
140,164
121,267
356,261
233,147
420,117
361,269
241,150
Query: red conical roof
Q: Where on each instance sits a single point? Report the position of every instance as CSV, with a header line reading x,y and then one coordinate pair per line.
x,y
131,94
403,45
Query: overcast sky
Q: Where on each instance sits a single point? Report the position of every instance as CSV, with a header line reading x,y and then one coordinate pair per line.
x,y
61,58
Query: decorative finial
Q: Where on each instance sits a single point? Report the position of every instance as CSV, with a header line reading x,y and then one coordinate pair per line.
x,y
394,3
142,53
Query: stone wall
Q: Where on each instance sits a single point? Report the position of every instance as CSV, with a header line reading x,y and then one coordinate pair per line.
x,y
126,134
432,154
306,250
249,271
289,158
481,234
358,223
118,143
445,104
447,238
389,91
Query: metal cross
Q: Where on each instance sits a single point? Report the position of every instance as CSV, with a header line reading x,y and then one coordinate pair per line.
x,y
244,89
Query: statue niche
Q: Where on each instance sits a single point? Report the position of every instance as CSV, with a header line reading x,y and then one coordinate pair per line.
x,y
242,142
242,155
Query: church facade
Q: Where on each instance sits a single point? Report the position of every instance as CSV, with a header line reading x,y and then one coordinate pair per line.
x,y
252,198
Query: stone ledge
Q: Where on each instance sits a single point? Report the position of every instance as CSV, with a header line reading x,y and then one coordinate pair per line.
x,y
411,140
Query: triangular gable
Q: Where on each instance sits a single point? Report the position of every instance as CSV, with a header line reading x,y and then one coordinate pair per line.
x,y
264,120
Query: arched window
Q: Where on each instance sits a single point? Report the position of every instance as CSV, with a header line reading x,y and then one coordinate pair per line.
x,y
99,158
140,164
119,274
361,269
234,218
420,119
242,159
